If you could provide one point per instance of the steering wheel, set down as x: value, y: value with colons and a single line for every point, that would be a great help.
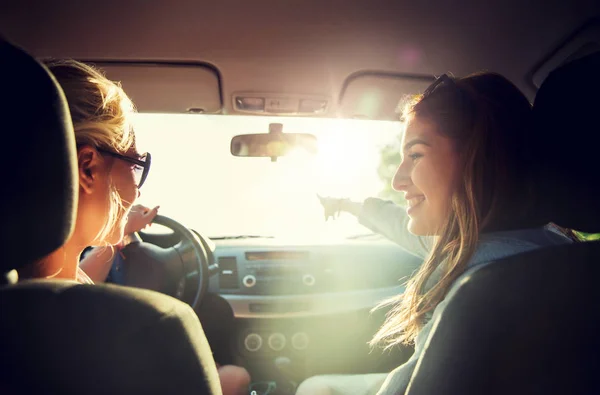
x: 181, y: 271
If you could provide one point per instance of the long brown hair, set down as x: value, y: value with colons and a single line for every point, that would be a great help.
x: 487, y: 118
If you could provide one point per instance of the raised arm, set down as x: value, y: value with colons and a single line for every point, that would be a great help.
x: 383, y: 217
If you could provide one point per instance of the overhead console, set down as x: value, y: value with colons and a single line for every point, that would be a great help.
x: 368, y: 94
x: 262, y: 103
x: 159, y: 87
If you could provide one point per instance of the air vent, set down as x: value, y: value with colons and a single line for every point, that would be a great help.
x: 228, y: 273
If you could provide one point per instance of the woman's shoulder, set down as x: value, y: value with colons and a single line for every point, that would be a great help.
x: 82, y: 277
x: 500, y: 245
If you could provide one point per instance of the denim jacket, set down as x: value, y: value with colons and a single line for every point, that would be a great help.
x: 390, y: 220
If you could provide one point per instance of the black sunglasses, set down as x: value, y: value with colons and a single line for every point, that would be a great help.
x: 463, y: 101
x: 141, y: 168
x: 442, y: 79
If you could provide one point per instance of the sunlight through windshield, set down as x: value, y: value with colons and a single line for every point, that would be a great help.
x: 196, y: 180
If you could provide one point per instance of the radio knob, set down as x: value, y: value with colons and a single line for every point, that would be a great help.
x: 309, y: 280
x: 300, y: 341
x: 249, y: 281
x: 253, y: 342
x: 277, y: 341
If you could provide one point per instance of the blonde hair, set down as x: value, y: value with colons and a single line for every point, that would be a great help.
x: 101, y: 115
x: 486, y: 117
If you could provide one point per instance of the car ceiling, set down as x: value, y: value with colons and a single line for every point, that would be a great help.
x: 303, y: 47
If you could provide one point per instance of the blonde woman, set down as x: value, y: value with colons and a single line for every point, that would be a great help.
x: 466, y: 177
x: 111, y: 172
x: 110, y: 168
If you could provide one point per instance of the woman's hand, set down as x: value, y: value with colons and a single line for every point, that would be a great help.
x: 139, y: 217
x: 331, y: 206
x: 334, y: 206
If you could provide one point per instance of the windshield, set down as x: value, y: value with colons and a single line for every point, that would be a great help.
x: 196, y: 180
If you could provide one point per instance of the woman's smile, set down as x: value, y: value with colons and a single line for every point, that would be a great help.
x: 413, y: 201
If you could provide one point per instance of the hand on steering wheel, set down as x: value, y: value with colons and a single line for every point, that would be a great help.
x: 139, y: 218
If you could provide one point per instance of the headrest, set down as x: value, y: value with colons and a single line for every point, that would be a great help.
x: 38, y: 161
x: 567, y: 131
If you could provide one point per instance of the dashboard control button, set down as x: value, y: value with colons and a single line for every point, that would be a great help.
x: 309, y: 279
x: 180, y: 288
x: 249, y: 281
x: 253, y: 342
x: 277, y: 341
x: 300, y: 341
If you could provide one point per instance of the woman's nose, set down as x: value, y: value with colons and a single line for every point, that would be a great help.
x: 401, y: 179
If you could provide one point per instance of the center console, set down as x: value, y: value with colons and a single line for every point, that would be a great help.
x: 297, y: 310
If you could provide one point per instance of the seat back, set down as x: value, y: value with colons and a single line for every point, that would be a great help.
x: 39, y: 177
x: 530, y: 324
x: 60, y: 337
x: 527, y: 325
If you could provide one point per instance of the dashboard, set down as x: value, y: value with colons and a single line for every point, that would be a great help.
x: 267, y: 280
x: 308, y: 303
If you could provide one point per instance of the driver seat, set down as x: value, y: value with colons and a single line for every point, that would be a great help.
x: 61, y: 337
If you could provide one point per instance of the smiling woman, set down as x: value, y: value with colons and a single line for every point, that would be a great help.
x: 467, y: 177
x: 427, y: 175
x: 197, y: 179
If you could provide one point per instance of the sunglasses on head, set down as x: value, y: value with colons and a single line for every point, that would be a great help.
x: 461, y: 99
x: 443, y: 79
x: 141, y: 165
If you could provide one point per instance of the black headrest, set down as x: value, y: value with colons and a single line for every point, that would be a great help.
x: 567, y: 131
x: 38, y: 161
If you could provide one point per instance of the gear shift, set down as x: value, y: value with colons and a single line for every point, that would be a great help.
x: 284, y: 364
x: 284, y: 384
x: 263, y: 388
x: 290, y: 377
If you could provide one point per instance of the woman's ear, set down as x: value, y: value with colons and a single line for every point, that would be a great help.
x: 89, y: 162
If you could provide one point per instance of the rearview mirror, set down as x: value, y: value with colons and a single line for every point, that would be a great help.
x: 273, y: 144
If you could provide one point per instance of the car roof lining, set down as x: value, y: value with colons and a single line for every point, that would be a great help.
x: 308, y: 47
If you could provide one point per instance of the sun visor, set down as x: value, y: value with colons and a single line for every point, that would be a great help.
x: 168, y: 87
x: 375, y: 95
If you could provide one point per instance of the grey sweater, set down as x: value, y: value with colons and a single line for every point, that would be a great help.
x: 390, y: 220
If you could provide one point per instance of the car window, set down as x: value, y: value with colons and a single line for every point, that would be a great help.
x: 196, y: 180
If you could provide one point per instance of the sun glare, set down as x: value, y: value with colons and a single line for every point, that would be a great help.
x: 196, y: 180
x: 341, y: 158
